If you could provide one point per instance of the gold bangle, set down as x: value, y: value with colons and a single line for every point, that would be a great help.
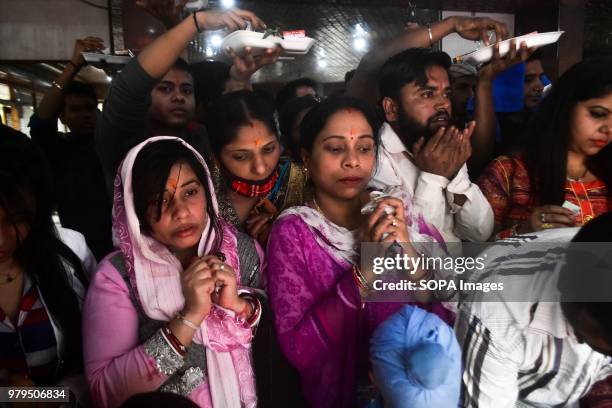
x: 360, y: 280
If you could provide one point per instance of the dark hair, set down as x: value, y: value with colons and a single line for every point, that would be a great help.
x: 587, y: 273
x: 181, y: 65
x: 549, y: 133
x: 79, y: 89
x: 26, y: 197
x: 288, y: 91
x: 209, y: 78
x: 150, y: 174
x: 158, y: 399
x: 287, y: 117
x: 409, y: 66
x: 535, y: 56
x: 234, y: 110
x: 317, y: 118
x: 348, y: 76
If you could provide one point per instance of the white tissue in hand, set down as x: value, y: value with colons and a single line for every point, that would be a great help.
x: 571, y: 206
x: 376, y: 196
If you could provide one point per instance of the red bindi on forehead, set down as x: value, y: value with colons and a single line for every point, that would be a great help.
x: 172, y: 184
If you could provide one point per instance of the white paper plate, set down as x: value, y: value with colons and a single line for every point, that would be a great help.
x: 485, y: 54
x: 101, y: 59
x: 239, y: 40
x: 297, y: 45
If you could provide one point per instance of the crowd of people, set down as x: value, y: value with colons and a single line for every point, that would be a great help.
x: 207, y: 249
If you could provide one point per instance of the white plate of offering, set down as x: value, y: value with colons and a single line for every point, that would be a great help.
x: 485, y: 54
x: 259, y: 43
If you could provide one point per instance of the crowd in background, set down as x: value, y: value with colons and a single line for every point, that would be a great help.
x: 209, y: 233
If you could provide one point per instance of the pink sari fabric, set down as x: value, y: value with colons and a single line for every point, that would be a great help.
x: 322, y: 326
x: 154, y: 273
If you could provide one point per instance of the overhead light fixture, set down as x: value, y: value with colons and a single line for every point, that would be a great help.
x: 360, y: 44
x: 109, y: 78
x: 227, y: 3
x: 322, y: 63
x: 216, y: 40
x: 359, y: 30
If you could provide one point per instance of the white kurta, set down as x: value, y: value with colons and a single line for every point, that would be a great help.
x: 434, y: 194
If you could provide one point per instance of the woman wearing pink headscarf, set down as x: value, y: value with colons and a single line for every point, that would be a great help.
x: 166, y: 312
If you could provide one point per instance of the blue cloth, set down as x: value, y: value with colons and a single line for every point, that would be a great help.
x: 416, y: 360
x: 508, y: 90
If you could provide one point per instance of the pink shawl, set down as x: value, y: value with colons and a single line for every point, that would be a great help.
x: 344, y: 245
x: 154, y: 274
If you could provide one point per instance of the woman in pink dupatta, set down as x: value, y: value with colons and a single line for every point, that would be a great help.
x: 163, y: 313
x: 323, y: 326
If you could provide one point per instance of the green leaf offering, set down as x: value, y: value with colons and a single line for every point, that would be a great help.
x: 273, y: 32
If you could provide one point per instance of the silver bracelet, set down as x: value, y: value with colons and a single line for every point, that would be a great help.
x: 166, y: 358
x: 185, y: 384
x: 187, y: 322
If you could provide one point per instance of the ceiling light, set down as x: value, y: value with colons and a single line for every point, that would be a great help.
x: 359, y: 30
x: 227, y: 3
x: 216, y: 40
x: 322, y: 63
x: 360, y: 44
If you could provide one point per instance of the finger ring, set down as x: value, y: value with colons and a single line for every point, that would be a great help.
x: 547, y: 225
x: 543, y: 217
x: 220, y: 255
x: 394, y: 223
x: 221, y: 267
